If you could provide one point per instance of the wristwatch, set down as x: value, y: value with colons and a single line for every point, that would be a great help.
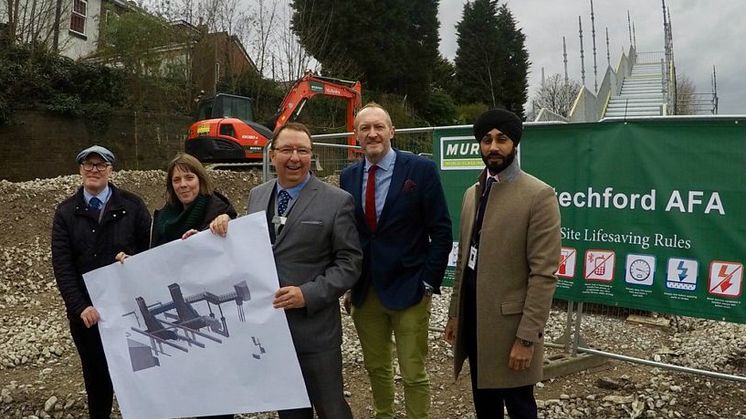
x: 526, y: 343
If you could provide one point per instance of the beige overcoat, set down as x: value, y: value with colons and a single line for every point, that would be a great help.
x: 519, y: 252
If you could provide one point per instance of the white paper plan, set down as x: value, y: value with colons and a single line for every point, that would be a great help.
x: 189, y: 330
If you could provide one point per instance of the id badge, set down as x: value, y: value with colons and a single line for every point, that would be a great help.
x: 279, y: 221
x: 472, y: 258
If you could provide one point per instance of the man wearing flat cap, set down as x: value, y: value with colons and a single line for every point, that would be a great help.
x: 90, y: 228
x: 505, y: 275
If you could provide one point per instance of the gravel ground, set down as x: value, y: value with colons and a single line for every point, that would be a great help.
x: 40, y: 374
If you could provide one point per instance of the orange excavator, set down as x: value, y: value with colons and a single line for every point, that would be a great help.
x: 227, y: 133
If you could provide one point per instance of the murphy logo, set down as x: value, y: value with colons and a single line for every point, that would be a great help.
x: 460, y: 153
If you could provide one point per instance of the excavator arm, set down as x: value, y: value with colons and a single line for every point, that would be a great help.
x: 311, y: 85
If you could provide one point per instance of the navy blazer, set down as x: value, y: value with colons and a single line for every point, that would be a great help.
x: 413, y: 235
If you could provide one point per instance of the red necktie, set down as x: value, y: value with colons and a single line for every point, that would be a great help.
x: 370, y: 198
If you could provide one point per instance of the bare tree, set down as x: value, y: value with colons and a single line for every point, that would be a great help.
x: 10, y: 12
x: 557, y: 95
x: 229, y: 16
x: 57, y: 21
x: 289, y: 59
x: 263, y: 29
x: 685, y: 96
x: 33, y: 22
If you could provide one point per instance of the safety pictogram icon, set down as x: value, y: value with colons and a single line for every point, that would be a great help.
x: 682, y: 274
x: 640, y: 269
x: 568, y: 259
x: 726, y: 279
x: 599, y: 265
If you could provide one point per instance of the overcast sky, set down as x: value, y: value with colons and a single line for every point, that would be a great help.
x: 705, y: 33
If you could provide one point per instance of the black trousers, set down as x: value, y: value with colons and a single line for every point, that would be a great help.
x: 489, y: 403
x: 95, y: 370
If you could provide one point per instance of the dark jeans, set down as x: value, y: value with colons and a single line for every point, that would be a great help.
x: 95, y: 370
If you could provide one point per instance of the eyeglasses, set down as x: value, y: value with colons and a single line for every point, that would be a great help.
x: 89, y: 167
x: 288, y: 151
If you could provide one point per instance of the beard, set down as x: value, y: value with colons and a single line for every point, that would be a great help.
x: 496, y: 167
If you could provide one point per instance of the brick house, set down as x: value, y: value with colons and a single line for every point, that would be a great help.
x: 209, y: 56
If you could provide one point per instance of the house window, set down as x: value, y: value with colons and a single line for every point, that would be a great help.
x: 77, y: 19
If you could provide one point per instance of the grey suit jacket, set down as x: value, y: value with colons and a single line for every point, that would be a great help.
x: 317, y: 250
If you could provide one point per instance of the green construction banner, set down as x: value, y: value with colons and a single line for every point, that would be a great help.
x: 653, y: 212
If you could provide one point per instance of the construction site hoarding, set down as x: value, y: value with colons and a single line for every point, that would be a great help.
x: 652, y: 210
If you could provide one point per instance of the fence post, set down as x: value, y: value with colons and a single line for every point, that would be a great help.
x: 568, y: 322
x: 578, y: 320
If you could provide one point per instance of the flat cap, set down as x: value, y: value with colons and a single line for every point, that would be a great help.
x: 104, y: 152
x: 505, y: 121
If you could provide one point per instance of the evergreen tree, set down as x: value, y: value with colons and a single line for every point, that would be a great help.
x: 491, y: 59
x: 514, y: 81
x: 443, y: 74
x: 440, y: 109
x: 477, y: 54
x: 391, y: 46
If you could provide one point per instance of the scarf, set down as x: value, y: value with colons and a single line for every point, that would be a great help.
x: 174, y: 220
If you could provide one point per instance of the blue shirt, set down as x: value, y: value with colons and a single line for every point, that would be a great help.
x: 103, y: 196
x: 294, y: 192
x: 383, y: 179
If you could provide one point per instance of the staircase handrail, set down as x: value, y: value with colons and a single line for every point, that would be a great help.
x: 671, y: 87
x: 590, y: 107
x: 545, y: 115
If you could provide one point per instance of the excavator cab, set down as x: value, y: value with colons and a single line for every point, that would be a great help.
x: 225, y: 131
x: 226, y: 106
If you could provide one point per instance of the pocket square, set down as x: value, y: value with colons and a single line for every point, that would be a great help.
x: 409, y: 185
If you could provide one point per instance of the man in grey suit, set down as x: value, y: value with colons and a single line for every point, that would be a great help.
x: 318, y: 257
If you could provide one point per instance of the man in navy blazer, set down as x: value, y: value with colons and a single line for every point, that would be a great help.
x: 405, y: 233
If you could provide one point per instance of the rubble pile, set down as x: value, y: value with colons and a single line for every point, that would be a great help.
x: 40, y: 374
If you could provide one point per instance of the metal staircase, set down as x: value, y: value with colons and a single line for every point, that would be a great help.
x: 642, y: 93
x: 643, y: 84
